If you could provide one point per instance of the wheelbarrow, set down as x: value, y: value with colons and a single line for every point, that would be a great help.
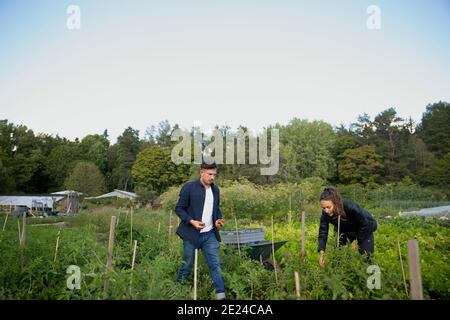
x: 253, y: 239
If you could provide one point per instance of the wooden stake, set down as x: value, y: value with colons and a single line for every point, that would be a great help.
x: 195, y: 273
x: 134, y: 254
x: 22, y: 240
x: 273, y: 253
x: 303, y: 252
x: 112, y: 229
x: 159, y: 226
x: 297, y: 285
x: 339, y: 230
x: 170, y: 224
x: 131, y: 227
x: 132, y: 264
x: 6, y: 219
x: 414, y: 270
x: 237, y: 236
x: 401, y: 264
x: 57, y: 244
x: 290, y: 208
x: 24, y: 225
x: 20, y: 236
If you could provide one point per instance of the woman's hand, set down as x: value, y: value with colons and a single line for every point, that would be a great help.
x: 322, y: 259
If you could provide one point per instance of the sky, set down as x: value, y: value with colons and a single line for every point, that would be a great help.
x: 234, y: 62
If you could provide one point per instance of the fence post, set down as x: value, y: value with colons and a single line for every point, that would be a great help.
x: 170, y: 225
x: 414, y: 270
x: 297, y: 285
x: 6, y: 219
x: 112, y: 229
x: 401, y: 265
x: 195, y: 273
x: 303, y: 252
x: 57, y: 244
x: 131, y: 226
x: 237, y: 235
x: 24, y: 235
x: 132, y: 264
x: 290, y: 209
x: 338, y: 231
x: 20, y: 236
x: 273, y: 253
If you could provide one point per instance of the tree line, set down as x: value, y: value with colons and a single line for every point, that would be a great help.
x: 368, y: 152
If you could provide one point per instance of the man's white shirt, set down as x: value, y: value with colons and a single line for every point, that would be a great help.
x: 207, y: 215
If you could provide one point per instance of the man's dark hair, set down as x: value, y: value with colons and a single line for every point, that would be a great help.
x: 207, y: 166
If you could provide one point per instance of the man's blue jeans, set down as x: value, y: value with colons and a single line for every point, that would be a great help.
x: 211, y: 250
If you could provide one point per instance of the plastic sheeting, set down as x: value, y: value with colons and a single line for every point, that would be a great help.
x: 29, y: 201
x: 428, y: 212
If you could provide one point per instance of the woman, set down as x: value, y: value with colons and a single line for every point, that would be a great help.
x: 349, y: 220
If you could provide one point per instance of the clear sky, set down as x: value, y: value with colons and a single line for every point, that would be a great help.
x: 255, y: 63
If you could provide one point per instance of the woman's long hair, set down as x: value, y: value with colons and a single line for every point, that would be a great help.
x: 331, y: 194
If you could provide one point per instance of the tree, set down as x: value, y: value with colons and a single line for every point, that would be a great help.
x: 387, y: 139
x: 363, y: 129
x: 94, y: 148
x: 390, y: 135
x: 154, y: 170
x: 60, y: 163
x: 29, y: 172
x: 86, y: 178
x: 111, y: 176
x: 164, y: 132
x: 306, y: 150
x: 23, y: 156
x: 6, y: 142
x: 361, y: 165
x: 415, y: 157
x: 7, y: 184
x: 434, y: 129
x: 237, y: 171
x: 345, y: 139
x: 127, y: 150
x: 439, y: 173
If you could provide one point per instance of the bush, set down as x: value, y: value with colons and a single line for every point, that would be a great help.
x: 397, y: 195
x: 244, y: 199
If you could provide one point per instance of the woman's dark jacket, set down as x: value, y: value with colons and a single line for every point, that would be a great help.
x: 358, y: 224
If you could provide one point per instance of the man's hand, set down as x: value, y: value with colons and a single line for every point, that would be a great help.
x: 219, y: 223
x: 322, y: 259
x: 197, y: 224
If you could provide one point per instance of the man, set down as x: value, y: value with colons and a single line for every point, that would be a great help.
x: 198, y: 209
